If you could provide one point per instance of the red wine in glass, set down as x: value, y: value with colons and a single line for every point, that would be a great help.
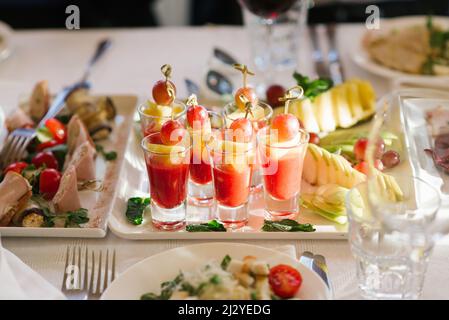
x: 268, y: 9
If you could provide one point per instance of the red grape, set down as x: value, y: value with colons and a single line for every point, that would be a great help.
x: 287, y: 126
x: 161, y: 93
x: 242, y: 130
x: 314, y: 138
x: 172, y: 132
x: 391, y: 159
x: 378, y: 165
x: 196, y: 114
x: 247, y: 92
x: 274, y: 92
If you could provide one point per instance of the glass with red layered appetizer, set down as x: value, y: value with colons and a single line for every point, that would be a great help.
x: 259, y: 115
x: 200, y: 123
x: 153, y: 114
x: 282, y: 148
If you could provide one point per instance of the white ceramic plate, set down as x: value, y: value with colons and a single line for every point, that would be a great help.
x: 99, y: 204
x: 362, y: 59
x: 5, y: 40
x: 147, y: 275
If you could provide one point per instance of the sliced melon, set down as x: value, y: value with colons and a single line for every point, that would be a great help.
x: 324, y: 112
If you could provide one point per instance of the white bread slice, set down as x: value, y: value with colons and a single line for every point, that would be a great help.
x: 15, y: 191
x: 83, y: 160
x: 39, y: 101
x: 67, y: 197
x: 18, y: 119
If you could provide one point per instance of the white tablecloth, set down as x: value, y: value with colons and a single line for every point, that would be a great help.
x: 132, y: 66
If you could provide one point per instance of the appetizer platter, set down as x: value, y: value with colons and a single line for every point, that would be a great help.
x: 314, y: 173
x: 218, y: 271
x: 414, y: 46
x: 65, y: 184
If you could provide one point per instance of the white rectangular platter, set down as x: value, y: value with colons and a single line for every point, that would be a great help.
x: 99, y: 204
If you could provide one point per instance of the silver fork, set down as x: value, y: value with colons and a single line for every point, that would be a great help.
x: 104, y: 275
x: 72, y: 286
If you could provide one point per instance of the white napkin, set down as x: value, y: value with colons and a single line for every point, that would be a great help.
x: 20, y: 282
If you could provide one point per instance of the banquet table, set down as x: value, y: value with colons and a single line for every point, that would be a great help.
x: 131, y: 66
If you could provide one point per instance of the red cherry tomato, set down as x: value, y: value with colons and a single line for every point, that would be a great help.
x: 161, y: 94
x: 172, y: 132
x: 45, y: 158
x: 44, y: 145
x: 284, y: 280
x: 49, y: 180
x: 362, y: 167
x: 274, y: 92
x: 242, y: 130
x: 287, y: 126
x: 196, y: 115
x: 16, y: 167
x: 247, y: 92
x: 314, y: 138
x: 360, y: 149
x: 57, y: 129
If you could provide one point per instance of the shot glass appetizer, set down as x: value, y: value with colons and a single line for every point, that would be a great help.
x: 260, y: 115
x: 200, y: 123
x: 167, y: 157
x: 231, y: 152
x: 153, y: 114
x: 282, y: 149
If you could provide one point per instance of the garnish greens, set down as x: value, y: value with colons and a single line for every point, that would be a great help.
x: 108, y: 156
x: 31, y: 173
x: 439, y: 53
x: 312, y: 88
x: 135, y: 209
x: 211, y: 226
x: 287, y: 225
x: 225, y: 262
x: 167, y: 289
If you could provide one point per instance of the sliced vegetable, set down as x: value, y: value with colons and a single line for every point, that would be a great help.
x: 211, y: 226
x: 284, y: 280
x: 45, y: 145
x: 287, y: 225
x: 225, y: 262
x: 135, y: 209
x: 57, y: 129
x: 43, y: 134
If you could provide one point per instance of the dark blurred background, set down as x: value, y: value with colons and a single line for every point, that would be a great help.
x: 24, y: 14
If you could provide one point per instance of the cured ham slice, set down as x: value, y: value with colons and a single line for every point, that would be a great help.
x: 15, y: 191
x: 77, y: 134
x: 39, y: 101
x: 18, y: 119
x: 83, y: 160
x: 67, y: 197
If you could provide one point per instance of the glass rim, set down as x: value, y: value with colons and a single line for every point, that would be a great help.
x: 142, y: 145
x: 304, y: 139
x: 144, y: 105
x: 259, y: 103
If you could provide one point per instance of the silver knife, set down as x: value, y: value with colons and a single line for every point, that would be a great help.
x: 335, y: 66
x: 321, y: 66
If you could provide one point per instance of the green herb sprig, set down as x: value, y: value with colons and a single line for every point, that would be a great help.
x: 287, y: 225
x: 211, y: 226
x: 135, y: 208
x: 108, y: 156
x: 312, y: 88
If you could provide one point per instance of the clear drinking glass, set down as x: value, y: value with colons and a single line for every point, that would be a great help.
x: 231, y: 172
x: 276, y: 30
x: 262, y: 114
x: 201, y: 189
x: 153, y: 116
x: 282, y: 165
x: 168, y: 172
x: 391, y: 261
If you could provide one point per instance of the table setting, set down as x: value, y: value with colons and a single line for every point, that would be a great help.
x: 274, y: 161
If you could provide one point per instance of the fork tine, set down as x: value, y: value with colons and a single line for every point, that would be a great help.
x: 10, y: 150
x: 21, y: 151
x: 113, y: 266
x: 5, y: 151
x: 92, y: 273
x: 78, y: 279
x: 106, y: 272
x: 98, y: 287
x: 86, y: 269
x: 64, y: 279
x: 16, y: 148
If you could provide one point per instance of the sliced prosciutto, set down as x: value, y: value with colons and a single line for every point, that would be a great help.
x: 440, y: 152
x: 18, y: 119
x: 15, y: 191
x: 83, y: 160
x: 77, y: 134
x: 67, y: 197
